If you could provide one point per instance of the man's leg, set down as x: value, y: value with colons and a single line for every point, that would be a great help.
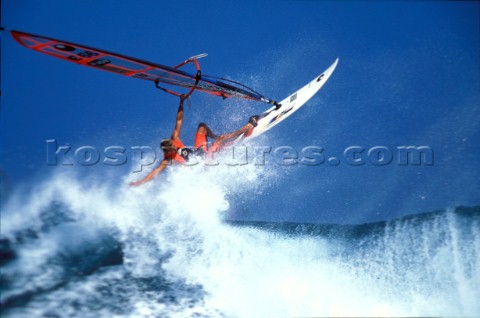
x: 204, y: 129
x: 223, y: 139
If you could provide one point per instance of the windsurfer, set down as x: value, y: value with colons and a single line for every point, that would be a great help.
x: 175, y: 151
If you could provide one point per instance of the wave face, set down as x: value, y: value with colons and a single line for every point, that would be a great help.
x: 68, y: 250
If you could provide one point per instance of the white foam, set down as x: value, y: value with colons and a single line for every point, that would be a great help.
x: 173, y: 227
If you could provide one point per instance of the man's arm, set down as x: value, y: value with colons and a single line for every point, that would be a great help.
x: 152, y: 173
x: 179, y: 120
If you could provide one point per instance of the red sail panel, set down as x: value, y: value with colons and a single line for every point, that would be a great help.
x: 132, y: 67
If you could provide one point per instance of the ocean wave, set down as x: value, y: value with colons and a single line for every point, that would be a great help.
x: 168, y: 250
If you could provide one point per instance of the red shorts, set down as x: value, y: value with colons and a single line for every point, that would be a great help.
x: 201, y: 141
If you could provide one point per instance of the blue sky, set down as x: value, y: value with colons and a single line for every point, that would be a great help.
x: 409, y: 74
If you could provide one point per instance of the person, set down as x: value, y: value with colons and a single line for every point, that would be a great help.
x: 174, y: 150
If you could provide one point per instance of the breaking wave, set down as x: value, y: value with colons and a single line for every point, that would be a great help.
x: 168, y: 250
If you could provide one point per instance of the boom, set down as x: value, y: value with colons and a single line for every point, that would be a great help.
x: 137, y: 68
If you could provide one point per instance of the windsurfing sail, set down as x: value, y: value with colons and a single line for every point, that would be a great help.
x: 136, y: 68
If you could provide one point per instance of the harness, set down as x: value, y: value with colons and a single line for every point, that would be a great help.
x: 188, y: 153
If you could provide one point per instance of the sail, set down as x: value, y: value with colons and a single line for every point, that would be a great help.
x: 136, y: 68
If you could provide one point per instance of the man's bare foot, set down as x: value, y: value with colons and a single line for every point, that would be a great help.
x: 254, y: 120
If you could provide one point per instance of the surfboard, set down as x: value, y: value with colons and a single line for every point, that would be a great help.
x: 290, y: 104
